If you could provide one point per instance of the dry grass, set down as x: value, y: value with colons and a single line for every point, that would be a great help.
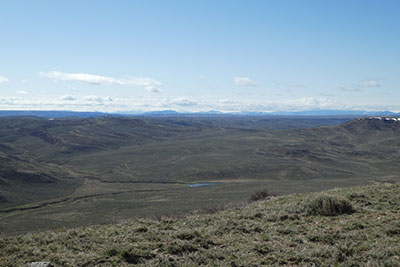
x: 273, y: 232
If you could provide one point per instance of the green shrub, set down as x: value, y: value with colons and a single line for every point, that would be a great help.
x: 180, y: 248
x: 393, y: 231
x: 259, y: 195
x: 188, y: 235
x: 135, y: 256
x: 326, y: 205
x: 112, y: 252
x: 263, y: 249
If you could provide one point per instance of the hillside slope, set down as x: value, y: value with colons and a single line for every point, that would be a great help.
x: 75, y: 172
x: 362, y: 229
x: 24, y: 179
x: 30, y: 147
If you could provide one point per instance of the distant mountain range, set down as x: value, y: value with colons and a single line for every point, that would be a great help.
x: 78, y: 114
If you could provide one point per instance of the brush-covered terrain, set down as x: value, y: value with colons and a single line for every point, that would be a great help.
x: 357, y: 226
x: 68, y: 172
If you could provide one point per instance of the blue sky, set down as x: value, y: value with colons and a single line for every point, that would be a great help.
x: 200, y: 55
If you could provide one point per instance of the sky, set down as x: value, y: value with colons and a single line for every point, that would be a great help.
x: 256, y: 55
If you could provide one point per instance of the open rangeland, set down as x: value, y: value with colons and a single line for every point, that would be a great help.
x: 69, y: 172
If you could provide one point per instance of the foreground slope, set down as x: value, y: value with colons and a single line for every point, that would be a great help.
x: 289, y: 230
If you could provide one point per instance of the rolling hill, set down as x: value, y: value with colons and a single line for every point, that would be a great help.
x: 69, y: 172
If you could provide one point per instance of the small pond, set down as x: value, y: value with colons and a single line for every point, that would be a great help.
x: 202, y: 184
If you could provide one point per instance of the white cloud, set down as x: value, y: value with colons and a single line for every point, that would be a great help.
x: 3, y: 79
x: 299, y: 104
x: 79, y: 104
x: 312, y: 102
x: 228, y: 101
x: 371, y: 83
x: 108, y: 104
x: 22, y: 92
x: 350, y: 89
x: 148, y: 83
x: 68, y: 97
x: 152, y: 90
x: 243, y: 81
x: 178, y: 102
x: 100, y: 99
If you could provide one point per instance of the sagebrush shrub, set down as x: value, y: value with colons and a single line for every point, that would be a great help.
x: 326, y: 205
x: 259, y: 195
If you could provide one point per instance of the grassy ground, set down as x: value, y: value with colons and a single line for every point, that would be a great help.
x: 356, y: 226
